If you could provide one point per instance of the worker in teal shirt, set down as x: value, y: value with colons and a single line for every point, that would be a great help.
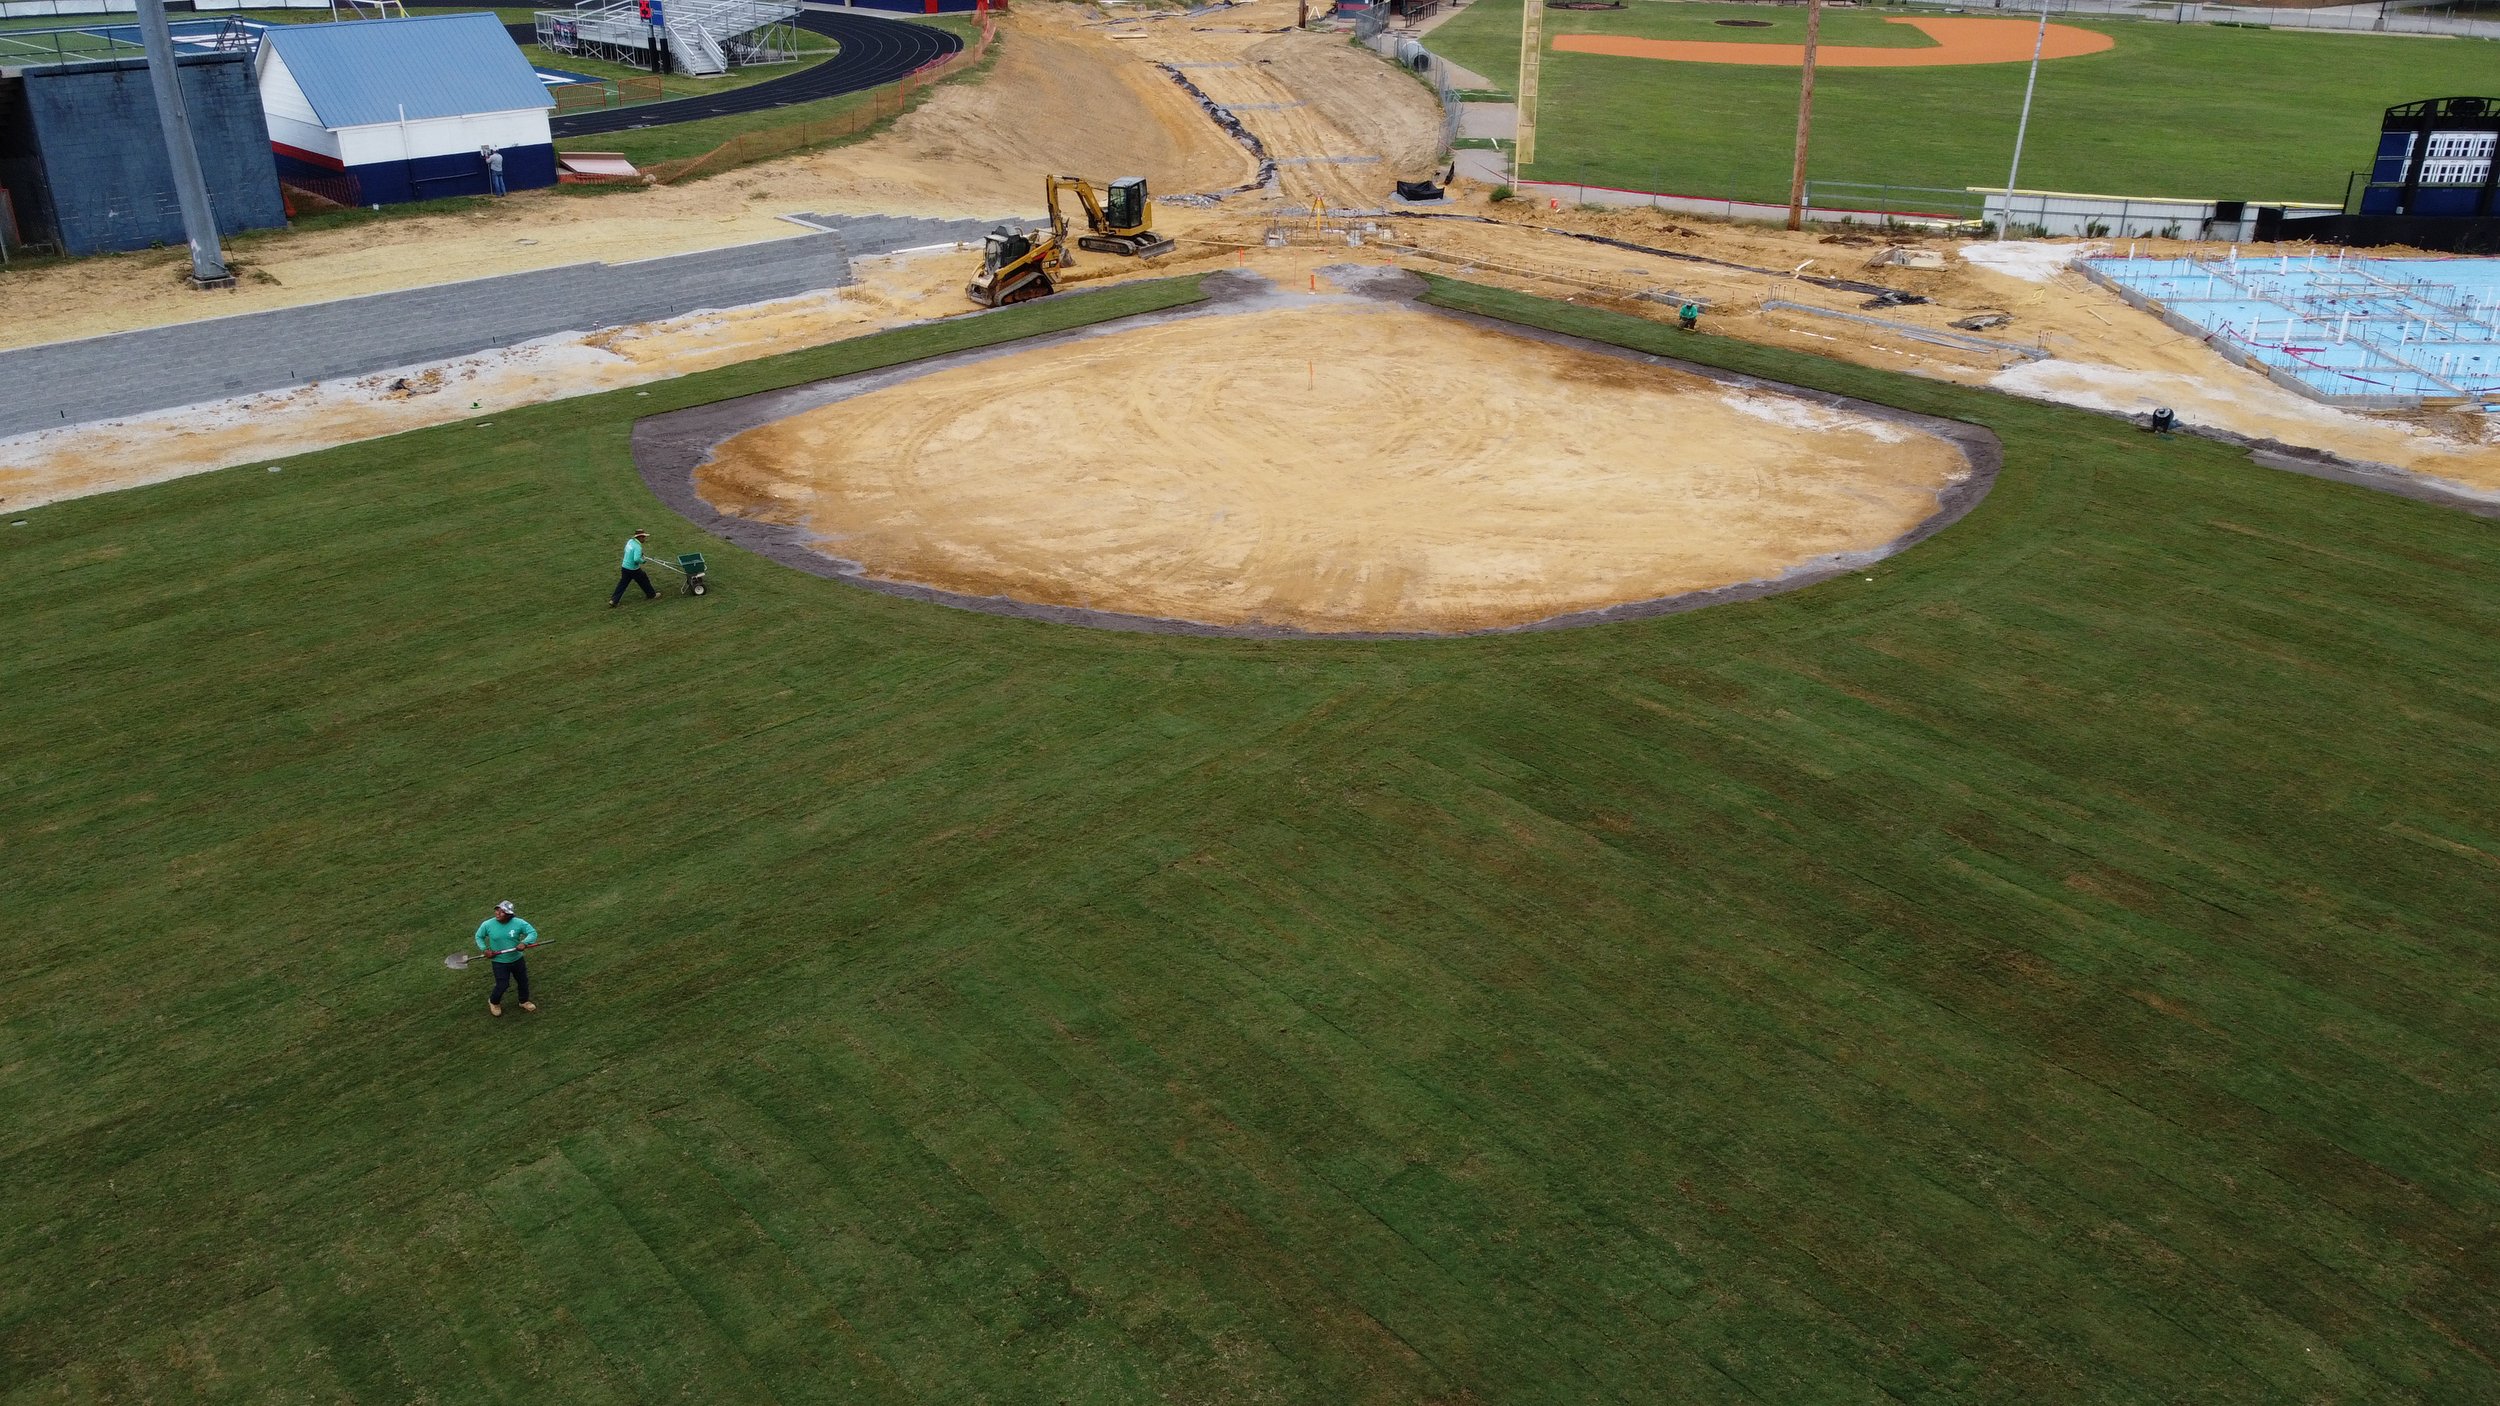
x: 631, y: 573
x: 503, y: 937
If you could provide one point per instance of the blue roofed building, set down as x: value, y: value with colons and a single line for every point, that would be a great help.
x: 382, y: 111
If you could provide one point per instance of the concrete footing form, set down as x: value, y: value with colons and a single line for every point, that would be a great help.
x: 2368, y: 334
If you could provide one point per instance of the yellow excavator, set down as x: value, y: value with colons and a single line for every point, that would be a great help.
x: 1017, y: 267
x: 1122, y: 221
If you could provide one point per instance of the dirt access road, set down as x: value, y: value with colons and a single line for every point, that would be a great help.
x: 1060, y: 97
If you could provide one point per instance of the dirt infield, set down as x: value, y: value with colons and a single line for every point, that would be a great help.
x: 1338, y: 464
x: 1958, y: 42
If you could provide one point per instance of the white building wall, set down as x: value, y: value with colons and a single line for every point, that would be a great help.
x: 290, y: 116
x: 441, y: 136
x: 303, y: 136
x: 280, y: 94
x: 2128, y: 216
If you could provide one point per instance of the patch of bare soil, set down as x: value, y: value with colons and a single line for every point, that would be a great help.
x: 1058, y: 99
x: 1351, y: 468
x: 1062, y: 100
x: 1378, y: 109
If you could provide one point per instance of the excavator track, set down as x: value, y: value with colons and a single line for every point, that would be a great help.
x: 1135, y: 246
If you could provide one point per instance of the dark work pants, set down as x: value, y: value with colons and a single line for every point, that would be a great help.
x: 513, y: 973
x: 635, y: 577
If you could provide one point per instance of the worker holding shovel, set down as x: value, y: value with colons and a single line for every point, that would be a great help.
x: 505, y: 937
x: 630, y: 572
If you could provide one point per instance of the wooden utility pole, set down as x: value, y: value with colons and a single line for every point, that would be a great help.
x: 1531, y: 46
x: 1805, y: 117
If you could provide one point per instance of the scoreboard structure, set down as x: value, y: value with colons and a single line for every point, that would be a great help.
x: 2436, y: 158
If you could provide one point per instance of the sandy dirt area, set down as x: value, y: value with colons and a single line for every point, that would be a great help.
x: 1341, y: 123
x: 1376, y: 109
x: 56, y: 464
x: 1060, y: 98
x: 1352, y: 467
x: 1071, y: 97
x: 1957, y: 42
x: 2101, y: 353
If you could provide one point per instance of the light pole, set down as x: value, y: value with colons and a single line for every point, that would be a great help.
x: 2039, y: 40
x: 199, y: 219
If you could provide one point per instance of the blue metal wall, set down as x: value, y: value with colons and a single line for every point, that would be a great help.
x: 434, y: 177
x: 107, y: 183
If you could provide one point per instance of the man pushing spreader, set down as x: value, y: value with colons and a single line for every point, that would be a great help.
x: 630, y: 572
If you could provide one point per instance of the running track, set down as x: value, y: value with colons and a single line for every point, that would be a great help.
x: 875, y: 52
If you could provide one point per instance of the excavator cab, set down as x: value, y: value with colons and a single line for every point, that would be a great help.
x: 1123, y: 222
x: 1125, y: 205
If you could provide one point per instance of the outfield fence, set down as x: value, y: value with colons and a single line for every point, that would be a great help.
x: 882, y: 105
x: 2034, y: 212
x: 1903, y: 205
x: 2339, y: 18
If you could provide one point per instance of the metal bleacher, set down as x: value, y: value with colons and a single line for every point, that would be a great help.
x: 704, y: 36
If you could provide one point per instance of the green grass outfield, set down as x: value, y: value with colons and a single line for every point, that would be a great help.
x: 2059, y: 968
x: 2176, y: 110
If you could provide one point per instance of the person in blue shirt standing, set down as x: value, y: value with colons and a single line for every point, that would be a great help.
x: 506, y: 937
x: 631, y: 572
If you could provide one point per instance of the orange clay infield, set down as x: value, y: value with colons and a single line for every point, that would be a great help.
x: 1957, y: 42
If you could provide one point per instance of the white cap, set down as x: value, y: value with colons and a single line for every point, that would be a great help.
x: 504, y: 907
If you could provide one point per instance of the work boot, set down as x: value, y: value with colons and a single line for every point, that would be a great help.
x: 531, y: 1006
x: 493, y: 1009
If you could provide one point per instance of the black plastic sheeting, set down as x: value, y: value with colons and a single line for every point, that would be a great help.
x: 1419, y: 190
x: 1224, y: 118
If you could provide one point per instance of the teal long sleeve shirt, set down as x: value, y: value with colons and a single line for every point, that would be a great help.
x: 633, y: 553
x: 504, y: 936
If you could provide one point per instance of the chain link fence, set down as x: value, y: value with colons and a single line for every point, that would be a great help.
x: 1411, y: 55
x: 2386, y: 19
